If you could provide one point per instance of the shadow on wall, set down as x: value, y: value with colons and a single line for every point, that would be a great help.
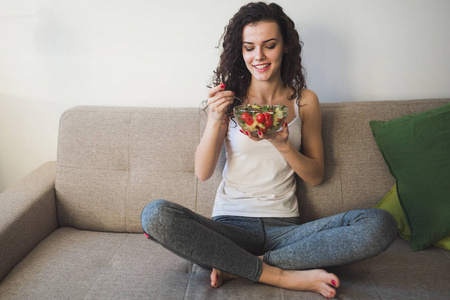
x: 63, y: 58
x: 326, y: 60
x: 3, y: 184
x: 28, y: 135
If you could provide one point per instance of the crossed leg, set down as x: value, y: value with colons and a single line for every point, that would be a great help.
x: 301, y: 249
x: 205, y: 242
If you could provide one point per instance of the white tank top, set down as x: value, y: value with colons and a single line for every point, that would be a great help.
x: 257, y: 180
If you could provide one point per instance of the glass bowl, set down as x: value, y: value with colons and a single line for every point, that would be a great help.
x: 267, y: 119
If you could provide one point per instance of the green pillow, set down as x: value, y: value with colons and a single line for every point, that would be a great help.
x: 416, y: 148
x: 391, y: 204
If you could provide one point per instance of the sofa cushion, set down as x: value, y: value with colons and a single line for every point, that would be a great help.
x: 416, y: 149
x: 78, y: 264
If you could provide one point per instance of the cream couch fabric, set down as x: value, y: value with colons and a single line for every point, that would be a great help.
x: 71, y: 229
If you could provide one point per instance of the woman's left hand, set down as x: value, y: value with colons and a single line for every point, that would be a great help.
x: 279, y: 139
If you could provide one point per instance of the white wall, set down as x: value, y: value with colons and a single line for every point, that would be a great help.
x: 55, y: 54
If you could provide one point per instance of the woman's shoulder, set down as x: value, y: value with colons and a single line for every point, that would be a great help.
x: 309, y: 105
x: 308, y: 97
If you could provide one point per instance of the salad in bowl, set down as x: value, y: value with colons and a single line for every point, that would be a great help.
x: 267, y: 119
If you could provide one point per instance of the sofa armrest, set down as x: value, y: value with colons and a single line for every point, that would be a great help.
x: 27, y: 215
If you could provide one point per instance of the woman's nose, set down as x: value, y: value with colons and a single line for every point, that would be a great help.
x: 259, y: 54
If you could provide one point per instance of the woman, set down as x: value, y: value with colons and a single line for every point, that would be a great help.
x: 255, y: 231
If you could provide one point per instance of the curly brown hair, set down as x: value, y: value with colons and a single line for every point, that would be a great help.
x: 232, y: 70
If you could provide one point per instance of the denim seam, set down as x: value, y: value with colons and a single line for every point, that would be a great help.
x: 258, y: 271
x: 263, y: 246
x: 266, y: 258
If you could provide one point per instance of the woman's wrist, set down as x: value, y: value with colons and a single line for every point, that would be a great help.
x: 215, y: 121
x: 284, y: 148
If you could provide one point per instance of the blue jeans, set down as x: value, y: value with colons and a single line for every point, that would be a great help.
x: 232, y: 244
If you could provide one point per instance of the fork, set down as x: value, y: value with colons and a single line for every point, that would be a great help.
x: 210, y: 87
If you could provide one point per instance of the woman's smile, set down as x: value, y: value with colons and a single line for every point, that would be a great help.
x: 261, y: 67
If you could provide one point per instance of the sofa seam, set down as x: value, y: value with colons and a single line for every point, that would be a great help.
x: 189, y: 282
x: 443, y: 253
x: 114, y: 169
x: 281, y: 293
x: 128, y: 171
x: 104, y: 268
x: 196, y: 178
x: 340, y: 176
x: 373, y: 285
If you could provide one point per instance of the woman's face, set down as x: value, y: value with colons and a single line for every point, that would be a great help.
x: 262, y: 50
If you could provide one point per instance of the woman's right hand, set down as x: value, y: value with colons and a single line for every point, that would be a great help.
x: 208, y: 150
x: 218, y: 102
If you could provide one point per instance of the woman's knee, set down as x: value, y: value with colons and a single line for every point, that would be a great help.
x: 387, y: 226
x: 152, y: 216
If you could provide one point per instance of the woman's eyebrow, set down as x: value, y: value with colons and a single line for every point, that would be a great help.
x: 266, y: 41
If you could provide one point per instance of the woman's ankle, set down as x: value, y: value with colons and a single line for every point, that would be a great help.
x: 271, y: 275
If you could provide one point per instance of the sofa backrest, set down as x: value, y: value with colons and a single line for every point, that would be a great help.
x: 113, y: 160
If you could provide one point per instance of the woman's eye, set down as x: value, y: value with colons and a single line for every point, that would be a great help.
x: 249, y: 49
x: 270, y: 46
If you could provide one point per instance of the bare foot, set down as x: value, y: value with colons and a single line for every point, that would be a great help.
x: 219, y: 277
x: 317, y: 280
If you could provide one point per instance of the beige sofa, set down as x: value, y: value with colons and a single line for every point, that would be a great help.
x: 71, y: 229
